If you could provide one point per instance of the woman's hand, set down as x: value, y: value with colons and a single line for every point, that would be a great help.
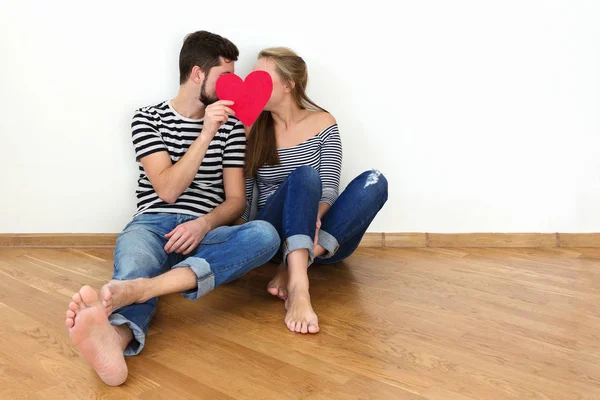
x: 317, y: 231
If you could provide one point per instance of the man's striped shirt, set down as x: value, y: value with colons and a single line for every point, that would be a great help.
x: 160, y: 128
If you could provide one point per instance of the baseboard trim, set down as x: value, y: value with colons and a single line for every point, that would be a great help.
x: 370, y: 240
x: 60, y: 240
x: 490, y: 240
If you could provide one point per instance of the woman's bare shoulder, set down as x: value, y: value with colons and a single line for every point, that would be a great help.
x: 320, y: 120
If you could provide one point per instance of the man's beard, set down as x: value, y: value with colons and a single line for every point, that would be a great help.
x: 205, y: 98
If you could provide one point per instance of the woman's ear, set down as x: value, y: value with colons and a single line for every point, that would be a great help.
x: 290, y: 86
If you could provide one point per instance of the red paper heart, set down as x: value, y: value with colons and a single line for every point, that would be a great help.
x: 250, y: 96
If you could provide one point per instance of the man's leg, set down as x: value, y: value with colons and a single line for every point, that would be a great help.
x: 226, y: 254
x: 130, y: 294
x: 102, y: 339
x: 139, y: 254
x: 100, y: 343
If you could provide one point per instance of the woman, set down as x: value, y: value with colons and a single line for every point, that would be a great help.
x: 294, y: 155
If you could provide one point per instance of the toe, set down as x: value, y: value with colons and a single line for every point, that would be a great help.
x: 282, y: 294
x: 304, y: 327
x: 105, y: 294
x: 73, y: 306
x: 298, y: 327
x: 78, y: 300
x: 313, y: 328
x: 291, y: 325
x: 88, y: 295
x: 272, y: 290
x: 70, y: 314
x: 70, y: 322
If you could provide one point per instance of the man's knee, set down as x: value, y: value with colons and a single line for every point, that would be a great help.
x: 264, y: 235
x: 138, y: 254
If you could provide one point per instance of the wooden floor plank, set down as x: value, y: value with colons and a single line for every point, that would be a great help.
x: 397, y: 323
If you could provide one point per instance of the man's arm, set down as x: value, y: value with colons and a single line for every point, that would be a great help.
x: 185, y: 237
x: 235, y: 200
x: 234, y: 182
x: 170, y: 181
x: 250, y: 184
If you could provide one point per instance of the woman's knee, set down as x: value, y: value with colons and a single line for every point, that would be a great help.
x: 374, y: 183
x: 307, y: 175
x: 306, y: 180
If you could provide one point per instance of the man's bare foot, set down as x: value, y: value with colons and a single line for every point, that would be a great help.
x: 95, y: 337
x: 278, y: 285
x: 300, y: 315
x: 116, y: 294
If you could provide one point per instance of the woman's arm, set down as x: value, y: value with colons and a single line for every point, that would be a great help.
x: 331, y: 168
x: 323, y: 208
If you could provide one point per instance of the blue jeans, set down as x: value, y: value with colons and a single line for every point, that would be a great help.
x: 226, y: 253
x: 294, y: 207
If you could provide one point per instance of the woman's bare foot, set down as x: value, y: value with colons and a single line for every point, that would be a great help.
x: 116, y: 294
x: 300, y: 315
x: 278, y: 285
x: 95, y: 337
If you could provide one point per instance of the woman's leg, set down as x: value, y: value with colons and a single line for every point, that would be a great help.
x: 293, y: 211
x: 345, y: 224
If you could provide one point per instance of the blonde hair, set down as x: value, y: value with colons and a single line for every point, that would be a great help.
x: 262, y: 144
x: 292, y: 69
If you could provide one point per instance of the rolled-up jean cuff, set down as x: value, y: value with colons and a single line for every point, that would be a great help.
x: 296, y: 242
x: 139, y: 337
x: 206, y: 279
x: 329, y: 243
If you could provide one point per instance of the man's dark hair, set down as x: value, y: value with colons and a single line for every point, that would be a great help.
x: 204, y: 49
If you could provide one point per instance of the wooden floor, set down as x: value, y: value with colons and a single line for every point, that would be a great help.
x: 395, y: 324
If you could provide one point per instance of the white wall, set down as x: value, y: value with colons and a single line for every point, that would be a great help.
x: 483, y: 115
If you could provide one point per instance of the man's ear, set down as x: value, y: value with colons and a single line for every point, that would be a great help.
x: 197, y: 76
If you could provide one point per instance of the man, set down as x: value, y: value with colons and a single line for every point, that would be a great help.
x: 191, y: 189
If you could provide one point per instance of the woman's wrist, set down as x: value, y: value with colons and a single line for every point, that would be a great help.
x: 323, y: 208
